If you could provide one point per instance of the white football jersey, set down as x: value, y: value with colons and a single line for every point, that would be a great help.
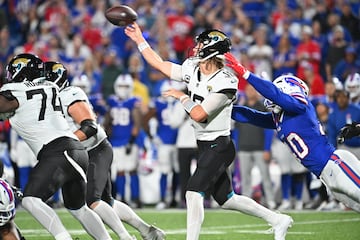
x: 68, y: 96
x: 39, y: 118
x: 200, y: 87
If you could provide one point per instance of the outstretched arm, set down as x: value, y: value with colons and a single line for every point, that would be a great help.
x: 248, y: 115
x: 134, y: 32
x: 265, y: 87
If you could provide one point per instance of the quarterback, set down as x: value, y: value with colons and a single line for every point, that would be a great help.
x: 212, y: 89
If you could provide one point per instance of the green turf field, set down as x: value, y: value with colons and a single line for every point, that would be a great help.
x: 219, y: 225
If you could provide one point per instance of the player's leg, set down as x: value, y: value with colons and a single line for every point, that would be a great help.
x: 74, y: 192
x: 132, y: 161
x: 164, y: 164
x: 266, y: 179
x: 342, y: 176
x: 246, y: 165
x: 100, y: 159
x: 46, y: 177
x: 184, y: 158
x: 118, y: 170
x: 214, y: 158
x: 175, y: 177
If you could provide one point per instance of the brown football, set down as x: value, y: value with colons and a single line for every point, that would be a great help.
x: 121, y: 15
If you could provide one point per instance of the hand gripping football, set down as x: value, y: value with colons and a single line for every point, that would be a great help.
x: 121, y: 15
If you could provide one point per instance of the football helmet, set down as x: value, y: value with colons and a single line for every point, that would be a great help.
x: 56, y: 72
x: 214, y: 43
x: 291, y: 85
x: 123, y: 86
x: 24, y: 66
x: 352, y: 85
x: 7, y: 203
x: 82, y: 82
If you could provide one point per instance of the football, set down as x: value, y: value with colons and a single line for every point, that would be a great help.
x: 121, y: 15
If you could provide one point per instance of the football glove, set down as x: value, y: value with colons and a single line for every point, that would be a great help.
x: 348, y: 131
x: 6, y: 115
x: 239, y: 69
x: 18, y: 193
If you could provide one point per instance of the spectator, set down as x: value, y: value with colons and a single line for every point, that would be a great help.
x: 180, y: 25
x: 307, y: 52
x: 260, y: 53
x: 284, y: 60
x: 110, y: 71
x: 349, y: 20
x: 314, y: 81
x: 343, y: 113
x: 350, y: 64
x: 335, y: 51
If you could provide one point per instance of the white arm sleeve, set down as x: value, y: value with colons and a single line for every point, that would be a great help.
x: 176, y: 72
x: 214, y: 102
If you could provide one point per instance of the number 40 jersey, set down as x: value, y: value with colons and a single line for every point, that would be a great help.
x: 39, y: 118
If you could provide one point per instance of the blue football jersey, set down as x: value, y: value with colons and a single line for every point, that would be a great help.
x: 165, y: 132
x: 122, y: 120
x: 296, y: 125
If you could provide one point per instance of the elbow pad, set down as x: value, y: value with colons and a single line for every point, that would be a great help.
x: 88, y: 127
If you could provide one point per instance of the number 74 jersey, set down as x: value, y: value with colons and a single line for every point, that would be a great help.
x: 39, y: 118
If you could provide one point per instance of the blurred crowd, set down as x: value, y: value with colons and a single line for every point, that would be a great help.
x: 317, y: 40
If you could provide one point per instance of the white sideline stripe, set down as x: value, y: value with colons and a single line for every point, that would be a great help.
x: 210, y: 231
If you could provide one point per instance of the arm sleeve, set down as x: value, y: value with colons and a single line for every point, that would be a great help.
x: 214, y: 102
x: 176, y: 72
x: 271, y: 92
x: 248, y: 115
x: 268, y: 134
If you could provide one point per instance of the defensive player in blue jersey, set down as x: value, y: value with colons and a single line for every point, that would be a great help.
x: 294, y: 118
x: 169, y: 115
x: 123, y: 123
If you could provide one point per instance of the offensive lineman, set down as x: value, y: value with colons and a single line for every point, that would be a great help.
x: 212, y: 90
x: 36, y: 114
x: 82, y: 121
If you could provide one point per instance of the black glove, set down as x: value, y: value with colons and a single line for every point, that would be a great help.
x: 348, y: 131
x: 18, y: 193
x: 128, y: 148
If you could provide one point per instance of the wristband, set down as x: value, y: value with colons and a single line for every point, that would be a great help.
x: 183, y: 97
x: 188, y: 105
x: 246, y: 74
x: 142, y: 46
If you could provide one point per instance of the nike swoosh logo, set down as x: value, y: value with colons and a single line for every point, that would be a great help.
x: 213, y: 145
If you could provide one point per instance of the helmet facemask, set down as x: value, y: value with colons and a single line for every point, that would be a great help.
x: 214, y: 43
